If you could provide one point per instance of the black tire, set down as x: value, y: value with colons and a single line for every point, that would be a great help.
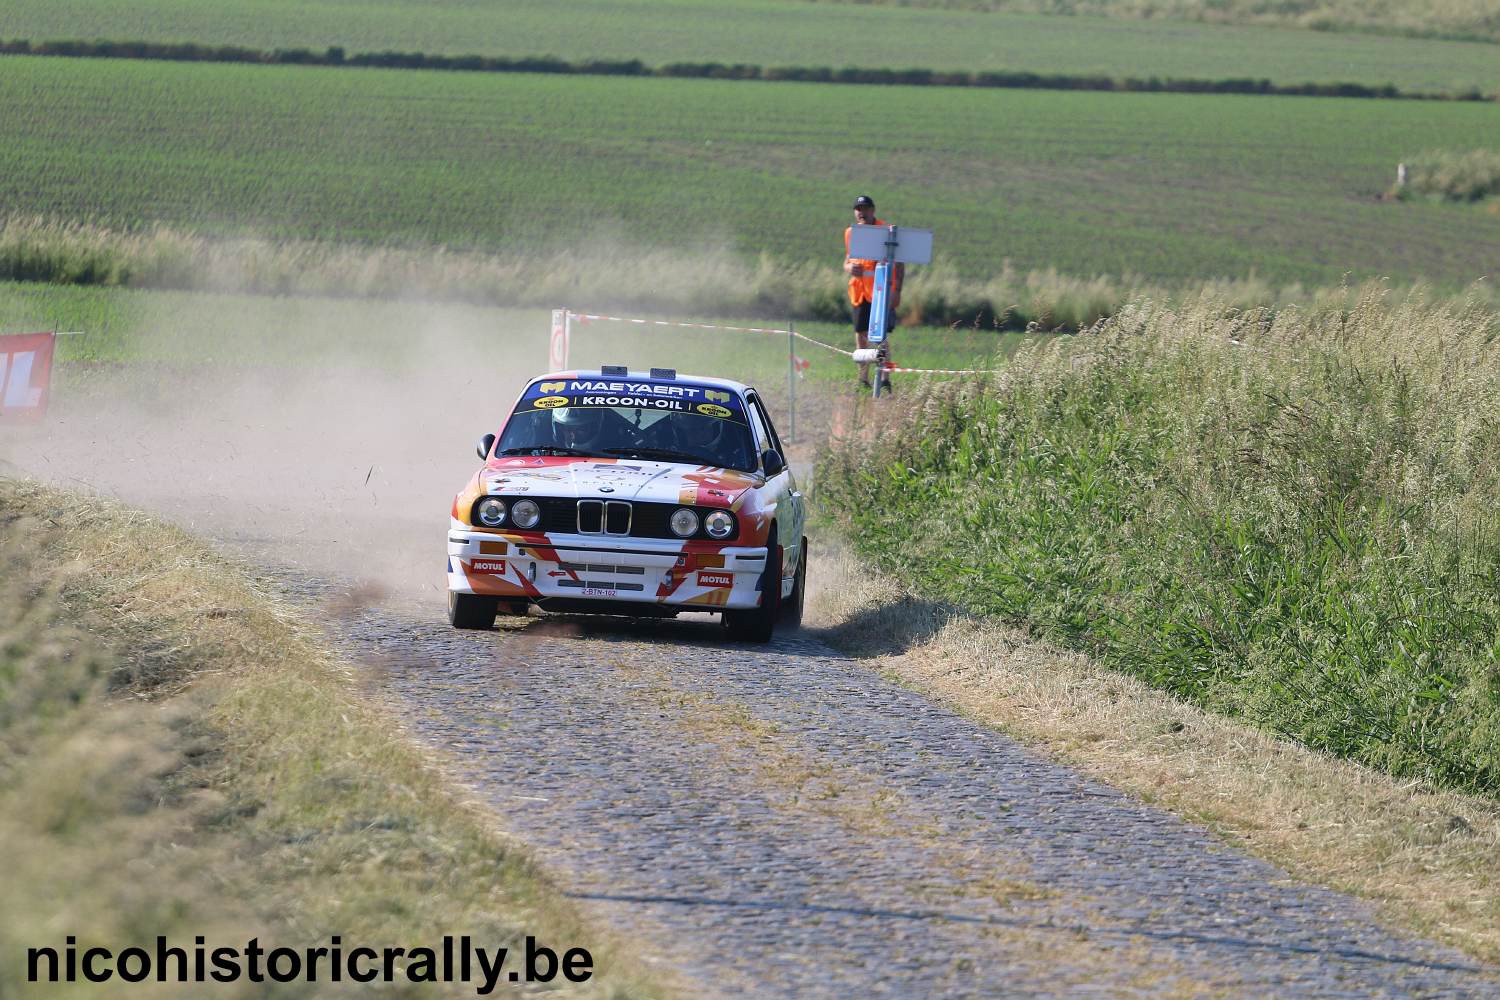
x: 791, y: 608
x: 758, y: 624
x: 472, y: 610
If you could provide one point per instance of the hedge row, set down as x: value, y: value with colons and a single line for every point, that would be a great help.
x: 336, y: 56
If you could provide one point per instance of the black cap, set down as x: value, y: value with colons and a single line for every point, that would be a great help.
x: 864, y: 201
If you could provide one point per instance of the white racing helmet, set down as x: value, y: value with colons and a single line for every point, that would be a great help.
x: 574, y: 426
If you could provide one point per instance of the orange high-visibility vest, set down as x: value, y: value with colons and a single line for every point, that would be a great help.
x: 862, y: 287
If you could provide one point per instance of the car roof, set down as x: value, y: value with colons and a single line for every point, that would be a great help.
x: 635, y: 376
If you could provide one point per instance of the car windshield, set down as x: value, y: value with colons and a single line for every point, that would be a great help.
x: 652, y: 420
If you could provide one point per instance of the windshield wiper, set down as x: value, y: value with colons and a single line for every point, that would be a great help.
x: 660, y: 454
x: 549, y: 449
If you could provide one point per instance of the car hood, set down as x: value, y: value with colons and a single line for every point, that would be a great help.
x: 617, y: 479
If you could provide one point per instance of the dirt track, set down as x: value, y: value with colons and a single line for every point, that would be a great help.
x: 784, y: 821
x: 765, y: 821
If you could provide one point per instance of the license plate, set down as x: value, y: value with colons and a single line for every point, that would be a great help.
x: 600, y: 592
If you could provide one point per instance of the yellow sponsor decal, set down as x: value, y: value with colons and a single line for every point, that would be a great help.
x: 715, y: 397
x: 711, y: 409
x: 552, y: 386
x: 551, y: 402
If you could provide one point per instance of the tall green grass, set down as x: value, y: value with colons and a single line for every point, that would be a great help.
x: 1289, y: 517
x: 1451, y: 176
x: 707, y: 283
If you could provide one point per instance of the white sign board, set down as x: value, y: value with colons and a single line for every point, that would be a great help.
x: 557, y: 355
x: 913, y: 246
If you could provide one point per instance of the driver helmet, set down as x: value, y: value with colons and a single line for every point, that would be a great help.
x: 577, y: 426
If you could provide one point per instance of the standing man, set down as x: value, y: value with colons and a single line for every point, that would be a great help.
x: 862, y: 289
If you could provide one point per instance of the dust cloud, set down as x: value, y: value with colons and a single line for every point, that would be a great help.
x: 313, y: 436
x: 339, y: 461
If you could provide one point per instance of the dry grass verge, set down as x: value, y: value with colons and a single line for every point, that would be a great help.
x: 1430, y: 859
x: 704, y: 281
x: 182, y: 756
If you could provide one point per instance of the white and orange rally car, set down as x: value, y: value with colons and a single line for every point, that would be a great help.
x: 628, y: 493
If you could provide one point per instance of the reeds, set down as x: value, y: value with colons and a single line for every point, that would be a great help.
x: 687, y: 282
x: 1291, y: 516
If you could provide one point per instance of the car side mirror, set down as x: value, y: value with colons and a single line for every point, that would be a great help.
x: 485, y: 444
x: 773, y: 462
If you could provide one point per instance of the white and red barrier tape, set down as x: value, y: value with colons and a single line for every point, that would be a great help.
x: 711, y: 326
x: 888, y: 367
x: 792, y: 333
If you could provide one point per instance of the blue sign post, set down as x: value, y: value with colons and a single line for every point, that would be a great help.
x: 890, y: 245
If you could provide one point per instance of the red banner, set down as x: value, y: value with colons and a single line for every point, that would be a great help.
x: 25, y: 374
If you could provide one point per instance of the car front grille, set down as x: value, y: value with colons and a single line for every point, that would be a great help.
x: 615, y: 518
x: 604, y: 517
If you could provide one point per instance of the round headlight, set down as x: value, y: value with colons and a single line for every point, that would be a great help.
x: 525, y: 513
x: 491, y: 512
x: 719, y: 524
x: 684, y: 523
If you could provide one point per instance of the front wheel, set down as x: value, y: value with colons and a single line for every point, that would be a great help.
x: 472, y: 610
x: 791, y: 608
x: 758, y: 624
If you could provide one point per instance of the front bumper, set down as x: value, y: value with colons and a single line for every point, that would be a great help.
x: 563, y: 567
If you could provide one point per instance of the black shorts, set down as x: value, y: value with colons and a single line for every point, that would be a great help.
x: 862, y: 319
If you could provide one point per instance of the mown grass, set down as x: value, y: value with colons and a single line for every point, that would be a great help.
x: 183, y: 758
x: 1286, y: 518
x: 776, y: 33
x: 1171, y: 188
x: 1426, y: 18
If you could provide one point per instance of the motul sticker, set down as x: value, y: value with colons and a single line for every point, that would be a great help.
x: 489, y: 567
x: 715, y: 579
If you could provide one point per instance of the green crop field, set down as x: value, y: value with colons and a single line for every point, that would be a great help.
x: 1171, y: 187
x: 776, y: 33
x: 1416, y: 18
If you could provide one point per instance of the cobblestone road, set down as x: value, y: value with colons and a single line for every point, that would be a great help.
x: 776, y: 821
x: 782, y: 821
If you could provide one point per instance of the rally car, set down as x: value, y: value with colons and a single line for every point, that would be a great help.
x: 629, y: 493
